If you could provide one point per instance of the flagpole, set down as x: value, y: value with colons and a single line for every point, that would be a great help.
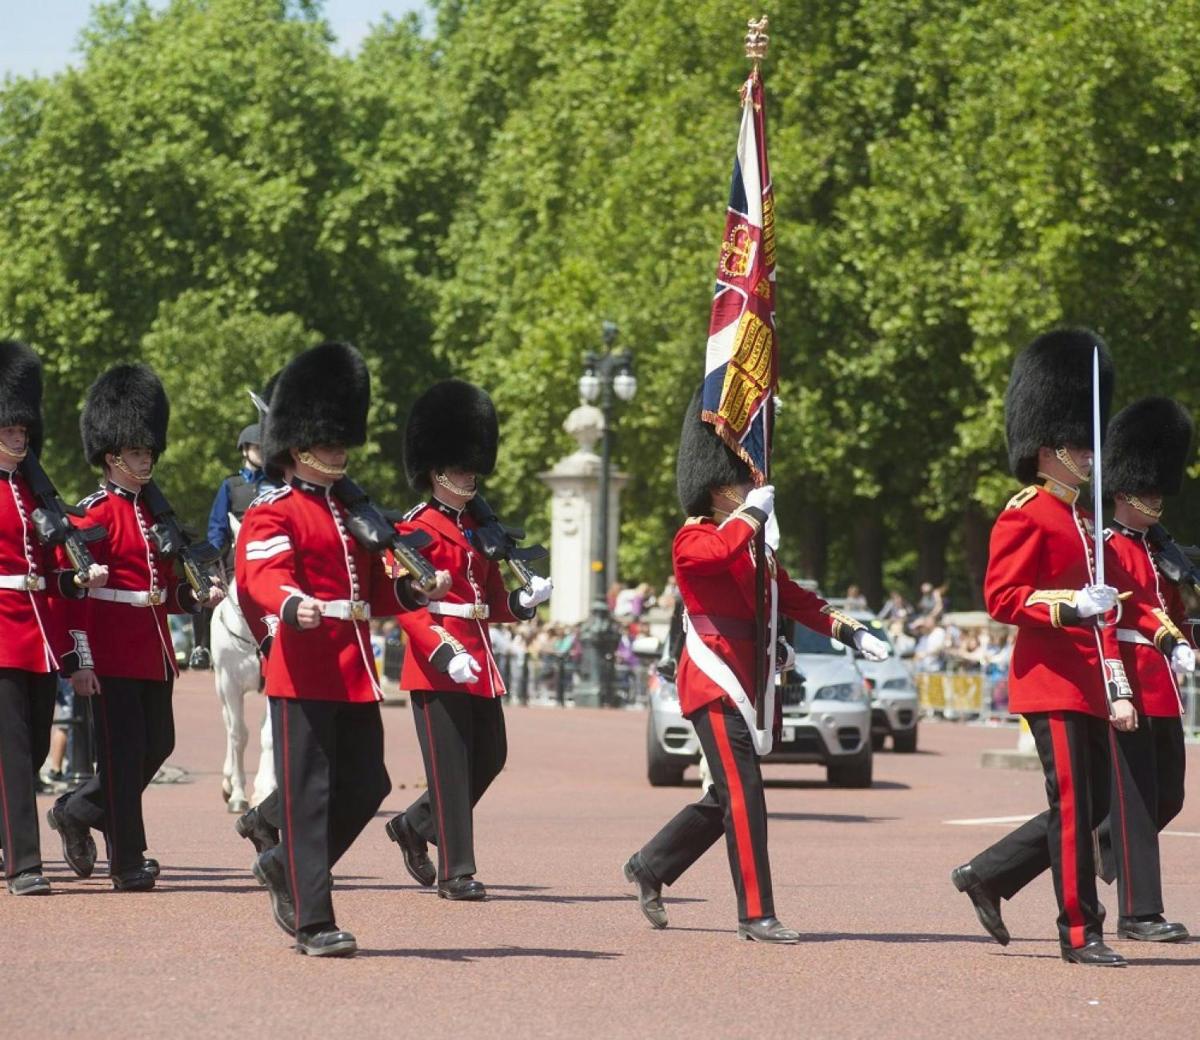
x: 756, y: 50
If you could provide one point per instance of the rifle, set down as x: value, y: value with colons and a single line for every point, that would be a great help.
x: 51, y: 523
x: 1176, y: 562
x: 176, y: 543
x: 498, y: 542
x: 375, y: 532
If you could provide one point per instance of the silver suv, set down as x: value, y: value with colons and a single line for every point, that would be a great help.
x: 826, y: 718
x: 894, y: 702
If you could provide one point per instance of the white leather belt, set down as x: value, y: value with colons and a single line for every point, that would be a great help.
x: 346, y: 609
x: 22, y: 582
x: 475, y: 611
x: 1128, y: 635
x: 135, y: 599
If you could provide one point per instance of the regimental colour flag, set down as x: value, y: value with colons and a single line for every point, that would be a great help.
x: 741, y: 368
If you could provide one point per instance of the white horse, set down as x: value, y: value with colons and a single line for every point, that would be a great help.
x: 235, y: 665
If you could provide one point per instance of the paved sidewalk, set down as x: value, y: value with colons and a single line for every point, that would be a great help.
x: 890, y: 950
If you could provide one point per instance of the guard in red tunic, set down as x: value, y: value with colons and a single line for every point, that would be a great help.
x: 455, y: 684
x: 31, y: 639
x: 309, y: 579
x: 1066, y: 676
x: 714, y: 569
x: 1148, y: 449
x: 123, y: 651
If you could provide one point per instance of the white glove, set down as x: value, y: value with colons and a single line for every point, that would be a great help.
x: 1183, y: 658
x: 463, y: 669
x: 762, y: 498
x: 538, y: 592
x: 873, y: 648
x: 1095, y: 599
x: 785, y: 655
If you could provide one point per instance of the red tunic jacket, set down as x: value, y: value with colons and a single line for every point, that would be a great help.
x: 294, y: 544
x: 1153, y: 622
x: 128, y: 641
x: 1040, y: 556
x: 32, y: 635
x: 714, y: 569
x: 435, y: 637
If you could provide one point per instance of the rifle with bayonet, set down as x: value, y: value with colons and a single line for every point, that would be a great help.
x: 193, y: 556
x: 375, y: 530
x: 51, y: 523
x: 498, y: 542
x: 1176, y: 563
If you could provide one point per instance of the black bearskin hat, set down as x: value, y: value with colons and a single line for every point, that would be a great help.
x: 1049, y: 398
x: 21, y: 391
x: 321, y: 397
x: 1148, y: 448
x: 452, y: 424
x: 704, y: 463
x: 126, y: 407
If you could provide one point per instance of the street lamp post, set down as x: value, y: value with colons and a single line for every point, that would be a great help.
x: 605, y: 375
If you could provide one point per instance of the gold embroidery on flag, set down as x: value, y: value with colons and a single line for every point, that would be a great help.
x: 737, y: 252
x: 748, y: 374
x: 768, y: 231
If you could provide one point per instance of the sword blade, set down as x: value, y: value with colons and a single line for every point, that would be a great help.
x: 1097, y: 472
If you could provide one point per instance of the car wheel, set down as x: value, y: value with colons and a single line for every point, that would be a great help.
x: 662, y: 770
x: 856, y: 773
x: 877, y: 740
x: 905, y: 742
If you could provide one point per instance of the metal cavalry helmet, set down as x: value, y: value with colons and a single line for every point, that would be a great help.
x: 126, y: 407
x: 452, y: 424
x: 320, y: 397
x: 1048, y: 402
x: 1148, y: 448
x: 704, y: 462
x: 21, y: 390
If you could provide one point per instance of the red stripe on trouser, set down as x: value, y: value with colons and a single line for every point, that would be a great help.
x: 289, y: 833
x: 108, y: 785
x: 737, y: 805
x: 1068, y: 823
x: 443, y: 851
x: 1127, y: 864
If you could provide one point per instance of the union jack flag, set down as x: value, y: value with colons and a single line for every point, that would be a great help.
x: 741, y: 368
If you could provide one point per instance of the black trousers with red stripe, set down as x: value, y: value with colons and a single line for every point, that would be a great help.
x: 329, y: 760
x: 135, y: 732
x: 733, y: 805
x: 1074, y: 751
x: 1146, y: 795
x: 465, y: 745
x: 26, y: 710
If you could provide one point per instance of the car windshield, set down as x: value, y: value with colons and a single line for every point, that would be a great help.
x: 806, y: 641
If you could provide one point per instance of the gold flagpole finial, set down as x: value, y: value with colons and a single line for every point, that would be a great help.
x: 757, y: 39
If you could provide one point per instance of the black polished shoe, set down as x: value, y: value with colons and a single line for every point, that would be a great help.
x: 987, y: 906
x: 79, y: 847
x: 325, y: 940
x: 1155, y: 929
x: 251, y: 826
x: 649, y: 893
x: 465, y: 889
x: 269, y: 872
x: 767, y: 930
x: 136, y: 879
x: 29, y: 883
x: 1094, y: 954
x: 151, y: 867
x: 414, y: 849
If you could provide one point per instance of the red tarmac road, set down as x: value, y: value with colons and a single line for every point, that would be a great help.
x: 889, y: 950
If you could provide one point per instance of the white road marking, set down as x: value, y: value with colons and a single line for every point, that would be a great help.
x: 996, y: 821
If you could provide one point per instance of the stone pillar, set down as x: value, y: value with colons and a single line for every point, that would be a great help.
x: 574, y: 512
